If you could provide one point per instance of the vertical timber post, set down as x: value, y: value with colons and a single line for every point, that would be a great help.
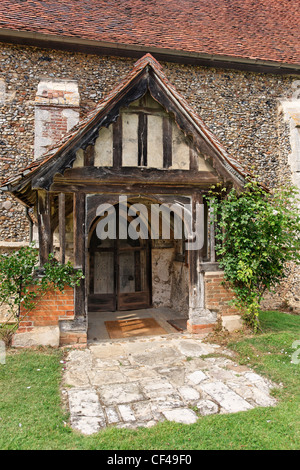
x: 79, y: 251
x: 44, y: 226
x: 200, y: 319
x: 62, y: 227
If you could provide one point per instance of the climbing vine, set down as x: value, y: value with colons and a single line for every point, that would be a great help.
x: 258, y: 233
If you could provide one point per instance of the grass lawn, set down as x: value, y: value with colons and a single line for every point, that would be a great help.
x: 31, y: 415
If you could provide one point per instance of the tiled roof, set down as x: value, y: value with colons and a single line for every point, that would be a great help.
x: 253, y: 29
x: 55, y: 150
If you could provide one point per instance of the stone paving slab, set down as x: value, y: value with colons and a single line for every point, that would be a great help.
x: 143, y: 381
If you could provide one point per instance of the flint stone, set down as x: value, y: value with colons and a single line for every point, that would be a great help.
x: 197, y: 377
x: 207, y: 407
x: 112, y: 415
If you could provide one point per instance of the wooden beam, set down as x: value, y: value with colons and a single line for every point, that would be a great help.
x: 44, y: 226
x: 62, y: 226
x: 195, y: 257
x: 130, y: 188
x: 134, y: 174
x: 79, y: 251
x: 142, y: 139
x: 44, y: 176
x: 79, y: 230
x: 205, y: 146
x: 193, y: 160
x: 167, y: 142
x: 117, y: 143
x: 89, y: 155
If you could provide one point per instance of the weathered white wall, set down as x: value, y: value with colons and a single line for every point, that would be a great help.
x: 56, y: 112
x: 104, y: 147
x: 180, y: 150
x: 169, y: 280
x: 130, y: 139
x: 161, y: 276
x: 180, y: 287
x: 155, y: 142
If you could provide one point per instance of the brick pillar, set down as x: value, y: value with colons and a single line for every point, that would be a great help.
x: 200, y: 318
x: 217, y: 299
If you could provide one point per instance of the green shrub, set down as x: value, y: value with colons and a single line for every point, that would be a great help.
x: 23, y: 283
x: 258, y: 233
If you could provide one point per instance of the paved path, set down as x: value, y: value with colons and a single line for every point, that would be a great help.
x: 140, y: 382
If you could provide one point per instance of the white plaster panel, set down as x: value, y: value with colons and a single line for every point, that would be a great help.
x: 180, y: 150
x: 79, y: 162
x: 104, y: 147
x: 155, y: 142
x: 130, y: 139
x: 203, y: 165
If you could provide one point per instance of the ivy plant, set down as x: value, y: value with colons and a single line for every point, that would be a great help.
x: 23, y: 284
x: 257, y: 234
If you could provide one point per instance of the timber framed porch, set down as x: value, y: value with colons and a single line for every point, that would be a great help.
x: 145, y: 143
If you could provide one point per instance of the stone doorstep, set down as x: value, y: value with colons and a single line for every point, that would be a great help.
x: 40, y: 335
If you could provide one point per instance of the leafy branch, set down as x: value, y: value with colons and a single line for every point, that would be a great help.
x: 257, y: 234
x: 23, y: 284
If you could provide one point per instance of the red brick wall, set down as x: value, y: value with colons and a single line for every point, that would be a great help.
x: 56, y: 126
x: 217, y: 296
x: 49, y: 310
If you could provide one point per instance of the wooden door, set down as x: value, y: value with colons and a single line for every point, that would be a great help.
x: 102, y: 277
x: 119, y: 275
x: 133, y: 274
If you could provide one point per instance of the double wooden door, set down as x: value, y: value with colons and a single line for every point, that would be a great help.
x: 119, y: 275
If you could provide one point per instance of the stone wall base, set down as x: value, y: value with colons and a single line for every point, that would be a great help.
x: 49, y: 336
x: 38, y: 336
x: 76, y: 339
x: 200, y: 329
x: 232, y: 322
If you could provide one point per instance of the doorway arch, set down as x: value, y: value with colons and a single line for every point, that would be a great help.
x: 119, y: 270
